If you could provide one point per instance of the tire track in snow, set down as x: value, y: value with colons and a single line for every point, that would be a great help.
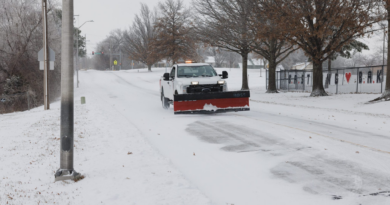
x: 317, y: 172
x: 311, y: 132
x: 319, y: 134
x: 127, y: 82
x: 327, y: 109
x: 179, y: 177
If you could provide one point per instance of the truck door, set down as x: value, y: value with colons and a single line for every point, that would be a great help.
x: 171, y: 82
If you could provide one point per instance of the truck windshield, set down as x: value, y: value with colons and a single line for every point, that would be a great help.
x: 195, y: 71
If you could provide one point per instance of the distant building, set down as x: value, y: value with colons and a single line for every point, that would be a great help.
x: 303, y: 66
x: 160, y: 64
x: 279, y: 68
x: 210, y: 60
x: 254, y: 64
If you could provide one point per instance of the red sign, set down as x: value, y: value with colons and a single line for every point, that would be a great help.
x: 348, y: 76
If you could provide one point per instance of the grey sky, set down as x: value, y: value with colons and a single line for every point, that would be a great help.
x: 119, y: 14
x: 107, y: 16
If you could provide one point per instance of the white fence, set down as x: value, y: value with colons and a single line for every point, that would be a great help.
x: 343, y: 80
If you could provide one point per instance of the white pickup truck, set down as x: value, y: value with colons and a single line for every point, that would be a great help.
x: 190, y: 78
x: 197, y: 88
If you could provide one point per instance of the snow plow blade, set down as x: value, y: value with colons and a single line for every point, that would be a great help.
x: 206, y: 103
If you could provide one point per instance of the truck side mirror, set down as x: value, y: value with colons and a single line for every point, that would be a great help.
x: 225, y: 75
x: 166, y: 76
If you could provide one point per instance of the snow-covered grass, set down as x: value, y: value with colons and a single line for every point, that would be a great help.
x: 119, y: 166
x: 289, y: 149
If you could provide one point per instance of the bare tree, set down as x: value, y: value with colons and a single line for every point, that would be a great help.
x: 175, y: 36
x: 112, y: 44
x: 220, y: 55
x: 225, y: 24
x: 234, y: 59
x: 20, y: 41
x: 273, y: 48
x: 18, y: 25
x: 274, y: 51
x: 321, y: 28
x: 102, y: 61
x: 140, y: 37
x: 116, y: 43
x: 296, y: 57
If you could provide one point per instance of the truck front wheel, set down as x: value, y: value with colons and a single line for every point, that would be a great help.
x: 164, y: 100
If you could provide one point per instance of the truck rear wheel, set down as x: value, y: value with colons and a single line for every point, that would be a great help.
x: 164, y: 100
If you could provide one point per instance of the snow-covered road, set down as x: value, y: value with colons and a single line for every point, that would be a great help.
x: 289, y: 149
x: 304, y: 154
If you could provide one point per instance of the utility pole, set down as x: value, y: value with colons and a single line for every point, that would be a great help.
x: 230, y: 60
x: 46, y: 57
x: 384, y: 45
x: 77, y: 48
x: 86, y: 53
x: 120, y: 59
x: 383, y: 63
x: 66, y: 170
x: 111, y: 56
x: 77, y: 55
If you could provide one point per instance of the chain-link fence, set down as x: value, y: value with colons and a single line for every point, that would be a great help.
x: 370, y: 79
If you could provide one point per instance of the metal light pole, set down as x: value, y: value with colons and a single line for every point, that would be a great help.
x: 383, y: 63
x: 77, y: 55
x: 384, y: 39
x: 120, y: 60
x: 110, y: 48
x: 66, y: 170
x: 46, y: 57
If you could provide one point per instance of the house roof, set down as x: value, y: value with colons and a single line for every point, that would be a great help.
x: 210, y: 59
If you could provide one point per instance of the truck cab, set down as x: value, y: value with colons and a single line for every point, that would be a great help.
x: 191, y: 79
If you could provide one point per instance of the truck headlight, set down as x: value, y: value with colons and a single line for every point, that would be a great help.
x: 184, y: 89
x: 221, y: 82
x: 194, y: 83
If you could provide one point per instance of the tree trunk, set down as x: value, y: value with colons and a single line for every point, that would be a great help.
x: 244, y: 72
x: 272, y: 77
x: 318, y: 85
x: 329, y: 71
x: 386, y: 94
x: 150, y: 68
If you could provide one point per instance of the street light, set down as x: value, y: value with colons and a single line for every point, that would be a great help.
x: 77, y: 54
x: 66, y: 170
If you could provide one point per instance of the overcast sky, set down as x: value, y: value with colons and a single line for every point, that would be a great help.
x: 107, y: 16
x: 119, y: 14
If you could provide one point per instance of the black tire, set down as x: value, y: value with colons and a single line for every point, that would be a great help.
x: 164, y: 100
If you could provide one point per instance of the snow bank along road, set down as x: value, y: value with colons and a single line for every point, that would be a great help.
x: 289, y: 149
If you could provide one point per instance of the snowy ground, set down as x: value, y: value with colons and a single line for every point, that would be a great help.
x: 289, y: 149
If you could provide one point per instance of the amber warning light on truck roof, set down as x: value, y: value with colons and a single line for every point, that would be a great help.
x: 188, y: 62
